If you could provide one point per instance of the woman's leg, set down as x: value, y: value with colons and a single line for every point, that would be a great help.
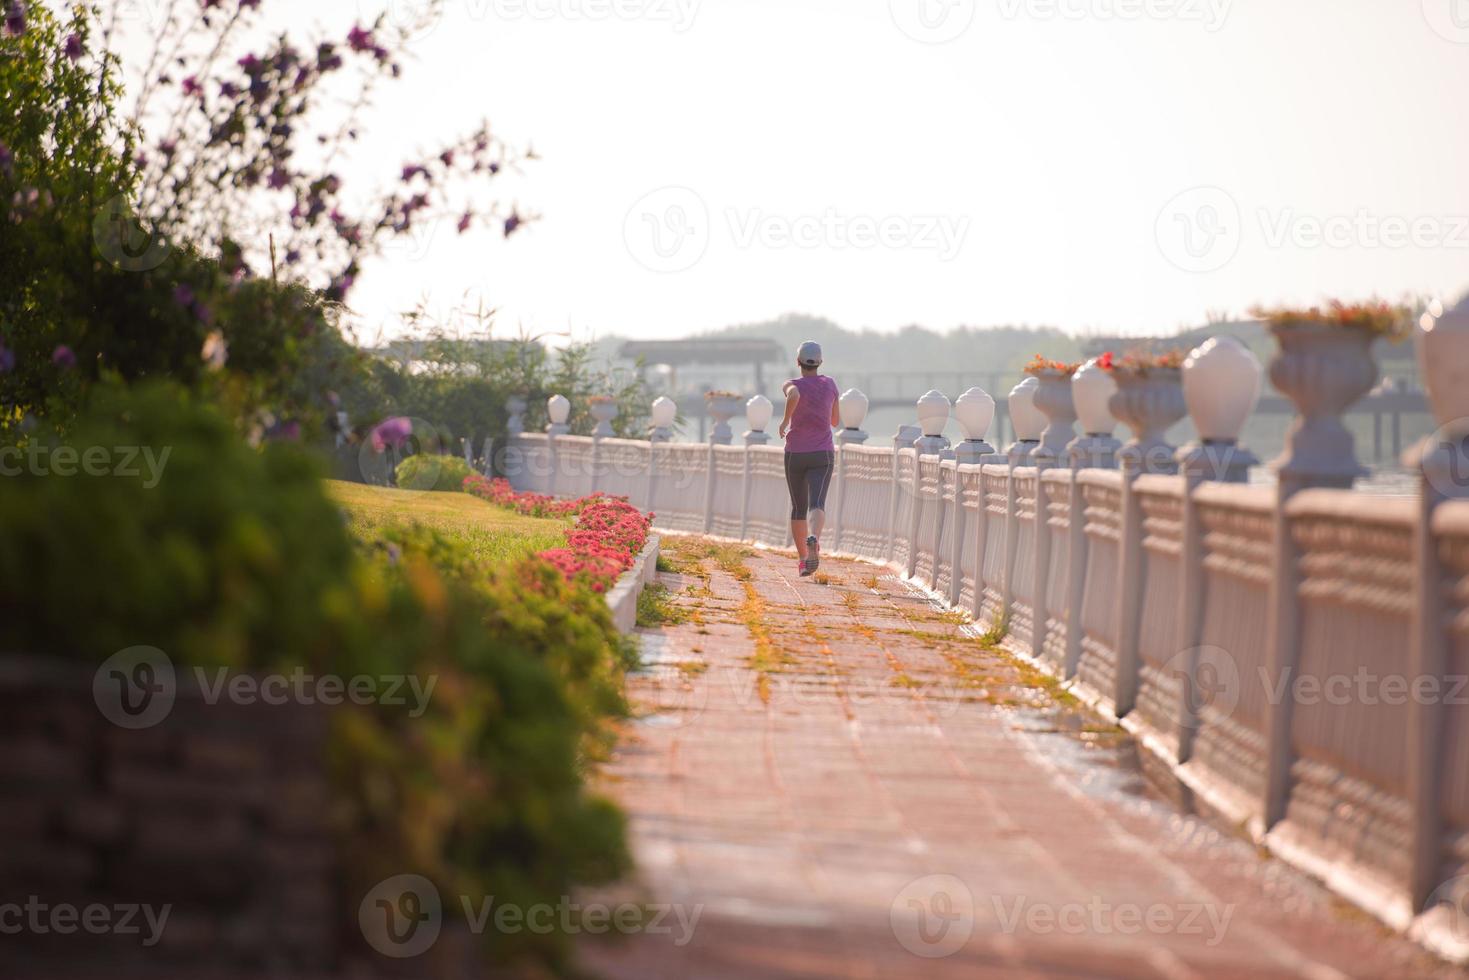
x: 818, y: 480
x: 800, y: 501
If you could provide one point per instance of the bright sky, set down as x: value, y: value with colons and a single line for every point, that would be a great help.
x: 1099, y: 165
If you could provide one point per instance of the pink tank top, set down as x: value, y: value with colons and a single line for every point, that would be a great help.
x: 811, y: 424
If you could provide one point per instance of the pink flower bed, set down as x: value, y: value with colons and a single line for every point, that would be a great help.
x: 608, y: 535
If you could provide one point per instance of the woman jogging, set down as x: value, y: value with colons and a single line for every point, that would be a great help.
x: 811, y: 414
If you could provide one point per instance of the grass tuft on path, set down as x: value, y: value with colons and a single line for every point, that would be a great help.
x: 492, y: 533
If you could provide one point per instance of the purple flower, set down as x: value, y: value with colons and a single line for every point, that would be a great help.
x: 15, y: 18
x: 391, y: 432
x: 7, y: 161
x: 7, y: 359
x: 183, y: 295
x: 465, y: 222
x: 360, y: 39
x: 191, y: 86
x: 73, y: 48
x: 511, y: 223
x: 63, y: 357
x: 278, y: 179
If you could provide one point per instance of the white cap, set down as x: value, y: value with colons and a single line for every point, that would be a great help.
x: 809, y: 355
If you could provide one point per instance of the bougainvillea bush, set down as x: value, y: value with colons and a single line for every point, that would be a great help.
x: 189, y: 215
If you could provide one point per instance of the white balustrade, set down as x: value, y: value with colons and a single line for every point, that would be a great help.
x: 1189, y: 607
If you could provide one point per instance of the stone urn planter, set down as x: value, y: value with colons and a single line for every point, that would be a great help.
x: 604, y: 410
x: 975, y: 411
x: 933, y: 414
x: 1027, y: 421
x: 515, y: 407
x: 1092, y: 388
x: 1053, y: 398
x: 853, y: 411
x: 723, y: 406
x: 1443, y: 358
x: 1322, y: 368
x: 1149, y: 403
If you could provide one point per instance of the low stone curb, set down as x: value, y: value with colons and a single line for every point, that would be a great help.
x: 622, y: 598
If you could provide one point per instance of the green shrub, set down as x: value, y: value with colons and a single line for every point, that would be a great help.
x: 432, y: 471
x: 222, y: 555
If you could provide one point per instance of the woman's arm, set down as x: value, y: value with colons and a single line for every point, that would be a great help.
x: 793, y: 395
x: 836, y: 406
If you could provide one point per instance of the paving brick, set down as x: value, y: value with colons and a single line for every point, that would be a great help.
x: 886, y: 758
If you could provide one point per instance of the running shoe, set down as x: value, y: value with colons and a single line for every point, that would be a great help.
x: 813, y: 548
x: 805, y: 567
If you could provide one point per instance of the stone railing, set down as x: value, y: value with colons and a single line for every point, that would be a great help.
x: 1296, y: 654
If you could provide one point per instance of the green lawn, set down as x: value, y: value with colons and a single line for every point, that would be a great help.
x: 492, y: 533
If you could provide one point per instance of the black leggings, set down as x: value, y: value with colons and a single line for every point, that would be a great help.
x: 808, y: 475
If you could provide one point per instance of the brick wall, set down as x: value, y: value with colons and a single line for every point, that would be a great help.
x: 219, y: 812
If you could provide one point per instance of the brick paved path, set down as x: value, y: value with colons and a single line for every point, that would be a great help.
x: 841, y: 781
